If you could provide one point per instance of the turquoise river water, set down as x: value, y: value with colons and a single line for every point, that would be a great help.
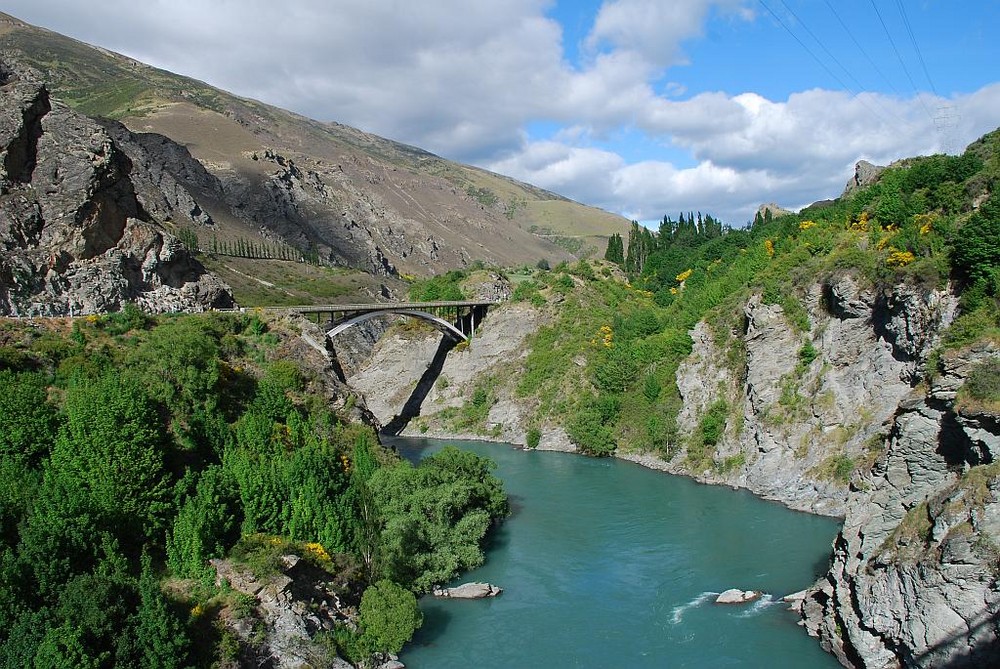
x: 608, y: 564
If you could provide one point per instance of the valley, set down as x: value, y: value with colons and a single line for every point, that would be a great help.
x: 191, y: 474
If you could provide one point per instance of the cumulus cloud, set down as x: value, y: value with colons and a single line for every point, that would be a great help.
x: 467, y: 78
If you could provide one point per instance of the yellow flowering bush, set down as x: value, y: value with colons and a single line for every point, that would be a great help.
x: 318, y: 551
x: 805, y: 225
x: 606, y: 335
x: 860, y: 225
x: 769, y: 247
x: 899, y: 258
x: 925, y: 221
x: 684, y: 276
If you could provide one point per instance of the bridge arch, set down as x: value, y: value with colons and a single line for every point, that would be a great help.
x: 436, y: 321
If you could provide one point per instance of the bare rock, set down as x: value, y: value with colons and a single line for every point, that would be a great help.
x: 468, y: 591
x: 737, y: 596
x: 865, y: 174
x: 913, y: 575
x: 75, y: 235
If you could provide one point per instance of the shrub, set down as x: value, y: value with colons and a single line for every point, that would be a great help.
x: 389, y: 616
x: 807, y: 353
x: 983, y: 383
x: 713, y: 423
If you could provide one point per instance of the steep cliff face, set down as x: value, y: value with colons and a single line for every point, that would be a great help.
x: 80, y: 222
x: 914, y: 573
x: 807, y: 408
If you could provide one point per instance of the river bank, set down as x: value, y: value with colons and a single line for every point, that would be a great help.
x: 610, y: 565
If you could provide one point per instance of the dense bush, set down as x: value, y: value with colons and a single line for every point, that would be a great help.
x: 140, y: 448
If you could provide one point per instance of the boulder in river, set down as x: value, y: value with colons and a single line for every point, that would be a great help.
x: 737, y: 596
x: 468, y: 591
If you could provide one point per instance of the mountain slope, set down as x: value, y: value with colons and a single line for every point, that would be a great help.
x: 344, y: 196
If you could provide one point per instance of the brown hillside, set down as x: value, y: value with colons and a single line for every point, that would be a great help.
x: 264, y: 174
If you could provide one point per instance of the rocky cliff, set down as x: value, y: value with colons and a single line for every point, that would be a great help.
x: 914, y: 573
x: 838, y: 419
x: 810, y: 406
x: 81, y: 222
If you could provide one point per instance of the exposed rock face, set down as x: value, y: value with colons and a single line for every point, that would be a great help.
x: 775, y: 209
x: 399, y: 359
x: 469, y: 591
x: 811, y: 399
x: 737, y: 596
x: 288, y: 609
x: 914, y: 576
x: 865, y: 174
x: 77, y: 233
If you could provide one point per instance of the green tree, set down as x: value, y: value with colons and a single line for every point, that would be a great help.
x: 616, y: 249
x: 975, y: 254
x: 435, y: 516
x: 389, y: 616
x: 113, y: 448
x: 157, y: 637
x: 206, y: 524
x: 29, y: 421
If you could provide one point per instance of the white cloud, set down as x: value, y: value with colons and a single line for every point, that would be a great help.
x: 465, y: 78
x: 652, y: 28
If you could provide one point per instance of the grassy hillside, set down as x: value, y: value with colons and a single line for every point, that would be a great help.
x: 474, y: 214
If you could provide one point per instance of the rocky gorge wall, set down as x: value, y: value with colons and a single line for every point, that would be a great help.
x: 913, y: 579
x: 837, y: 419
x: 81, y: 221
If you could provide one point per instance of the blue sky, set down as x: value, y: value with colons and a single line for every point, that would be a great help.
x: 642, y: 107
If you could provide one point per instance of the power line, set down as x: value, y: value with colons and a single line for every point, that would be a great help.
x: 817, y: 58
x: 913, y: 40
x: 861, y: 48
x: 900, y: 58
x: 804, y: 46
x: 820, y: 42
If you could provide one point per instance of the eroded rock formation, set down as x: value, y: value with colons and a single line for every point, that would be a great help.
x: 914, y: 575
x: 80, y: 222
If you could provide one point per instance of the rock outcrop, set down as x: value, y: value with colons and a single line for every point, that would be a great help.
x: 814, y: 403
x: 737, y: 596
x: 81, y: 224
x: 865, y: 174
x: 468, y: 591
x: 286, y: 610
x: 914, y: 575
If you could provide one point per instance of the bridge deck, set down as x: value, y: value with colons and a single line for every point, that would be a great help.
x: 385, y: 306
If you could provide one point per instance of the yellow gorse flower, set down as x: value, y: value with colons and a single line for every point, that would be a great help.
x: 805, y: 225
x: 607, y: 335
x: 318, y: 551
x: 684, y: 276
x: 860, y: 225
x: 899, y: 258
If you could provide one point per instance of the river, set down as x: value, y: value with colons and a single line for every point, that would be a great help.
x: 605, y: 563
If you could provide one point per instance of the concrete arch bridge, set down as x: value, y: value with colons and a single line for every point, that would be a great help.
x: 456, y: 319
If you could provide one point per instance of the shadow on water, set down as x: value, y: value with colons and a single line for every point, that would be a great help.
x: 822, y: 565
x: 436, y: 622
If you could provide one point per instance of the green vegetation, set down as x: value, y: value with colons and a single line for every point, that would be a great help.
x: 605, y: 367
x: 135, y: 449
x: 439, y: 288
x: 285, y: 282
x: 981, y: 391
